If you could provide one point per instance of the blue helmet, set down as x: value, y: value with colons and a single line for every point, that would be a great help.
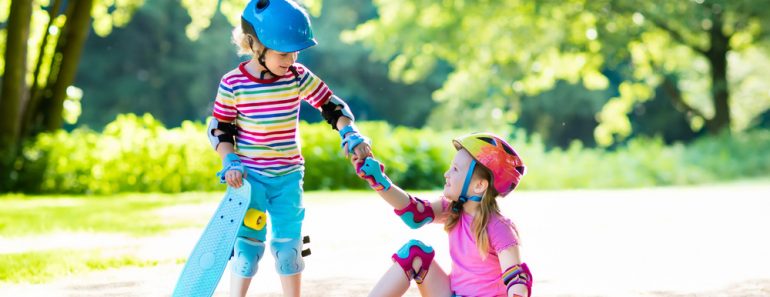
x: 280, y: 25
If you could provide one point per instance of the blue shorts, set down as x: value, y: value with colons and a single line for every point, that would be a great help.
x: 281, y: 198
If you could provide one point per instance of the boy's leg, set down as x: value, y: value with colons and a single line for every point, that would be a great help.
x: 249, y: 246
x: 284, y: 203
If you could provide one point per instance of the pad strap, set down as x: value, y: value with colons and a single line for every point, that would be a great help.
x: 373, y: 172
x: 335, y: 108
x: 229, y: 131
x: 518, y: 274
x: 352, y: 138
x: 406, y: 255
x: 231, y: 162
x: 411, y: 215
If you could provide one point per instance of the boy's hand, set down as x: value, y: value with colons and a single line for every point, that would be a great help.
x: 355, y: 143
x: 232, y: 171
x: 361, y: 151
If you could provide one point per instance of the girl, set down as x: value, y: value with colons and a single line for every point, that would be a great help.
x: 483, y: 244
x: 254, y: 130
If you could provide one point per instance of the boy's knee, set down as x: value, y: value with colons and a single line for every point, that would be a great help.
x: 288, y: 255
x: 246, y: 256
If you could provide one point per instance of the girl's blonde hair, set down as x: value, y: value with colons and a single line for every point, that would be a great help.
x: 241, y: 41
x: 487, y: 208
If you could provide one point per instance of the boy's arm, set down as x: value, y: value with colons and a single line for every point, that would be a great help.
x: 222, y: 137
x: 516, y: 275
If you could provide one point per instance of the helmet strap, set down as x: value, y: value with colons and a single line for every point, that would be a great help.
x: 463, y: 196
x: 261, y: 60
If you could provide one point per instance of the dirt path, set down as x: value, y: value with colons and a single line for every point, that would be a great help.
x: 705, y: 241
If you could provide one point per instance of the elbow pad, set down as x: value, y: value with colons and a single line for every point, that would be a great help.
x: 229, y: 130
x: 334, y: 109
x: 412, y: 216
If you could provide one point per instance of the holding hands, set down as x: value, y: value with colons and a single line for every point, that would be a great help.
x: 354, y: 143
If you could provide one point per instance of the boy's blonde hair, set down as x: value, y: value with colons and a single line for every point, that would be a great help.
x: 241, y: 41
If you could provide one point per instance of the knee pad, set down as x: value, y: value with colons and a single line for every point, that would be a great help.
x: 412, y: 216
x: 406, y: 255
x: 247, y: 254
x: 288, y: 255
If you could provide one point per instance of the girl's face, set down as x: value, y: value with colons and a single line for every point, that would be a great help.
x: 455, y: 176
x: 279, y: 62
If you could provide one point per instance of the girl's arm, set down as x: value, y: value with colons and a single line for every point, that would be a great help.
x: 516, y: 275
x: 414, y: 211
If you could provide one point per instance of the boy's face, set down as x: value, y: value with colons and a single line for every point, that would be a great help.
x: 279, y: 62
x: 455, y: 176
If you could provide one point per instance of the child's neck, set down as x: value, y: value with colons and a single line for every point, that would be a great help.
x: 255, y: 69
x: 471, y: 208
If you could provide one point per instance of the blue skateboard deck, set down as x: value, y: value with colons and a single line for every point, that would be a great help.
x: 209, y: 257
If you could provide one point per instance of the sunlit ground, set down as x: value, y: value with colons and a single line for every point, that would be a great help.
x: 701, y: 241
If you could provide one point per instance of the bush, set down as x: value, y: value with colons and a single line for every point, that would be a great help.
x: 137, y: 154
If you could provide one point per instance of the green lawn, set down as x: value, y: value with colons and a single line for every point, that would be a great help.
x: 43, y: 266
x: 130, y: 214
x: 127, y: 213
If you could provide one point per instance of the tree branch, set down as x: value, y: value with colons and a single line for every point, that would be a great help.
x: 676, y: 96
x: 676, y: 35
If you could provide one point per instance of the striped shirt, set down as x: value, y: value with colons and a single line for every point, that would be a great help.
x: 266, y: 112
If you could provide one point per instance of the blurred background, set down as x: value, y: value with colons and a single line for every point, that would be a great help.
x: 102, y: 100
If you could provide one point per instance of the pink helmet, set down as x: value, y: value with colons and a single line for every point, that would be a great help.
x: 496, y: 155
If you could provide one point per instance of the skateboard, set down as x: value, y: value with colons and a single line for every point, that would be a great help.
x: 209, y: 257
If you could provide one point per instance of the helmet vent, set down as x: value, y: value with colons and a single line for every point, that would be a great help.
x: 521, y: 169
x: 488, y: 140
x: 262, y: 4
x: 508, y: 149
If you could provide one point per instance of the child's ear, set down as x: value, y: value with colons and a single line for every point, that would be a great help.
x: 480, y: 186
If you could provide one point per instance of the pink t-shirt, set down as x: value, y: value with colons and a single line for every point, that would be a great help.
x: 472, y: 276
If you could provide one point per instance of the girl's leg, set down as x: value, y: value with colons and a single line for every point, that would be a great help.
x: 392, y: 283
x: 436, y: 282
x: 408, y: 264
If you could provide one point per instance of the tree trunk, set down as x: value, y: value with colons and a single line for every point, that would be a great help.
x: 31, y: 120
x: 13, y: 87
x: 717, y: 56
x: 67, y: 57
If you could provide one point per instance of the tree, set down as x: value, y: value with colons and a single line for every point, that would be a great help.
x: 54, y: 31
x: 502, y: 50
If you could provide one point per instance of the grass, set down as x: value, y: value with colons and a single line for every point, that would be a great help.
x: 127, y: 213
x: 131, y: 214
x: 43, y: 266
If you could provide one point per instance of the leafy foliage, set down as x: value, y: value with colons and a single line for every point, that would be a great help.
x: 500, y: 51
x: 137, y: 154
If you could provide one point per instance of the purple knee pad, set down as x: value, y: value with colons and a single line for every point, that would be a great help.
x: 406, y: 255
x: 412, y: 216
